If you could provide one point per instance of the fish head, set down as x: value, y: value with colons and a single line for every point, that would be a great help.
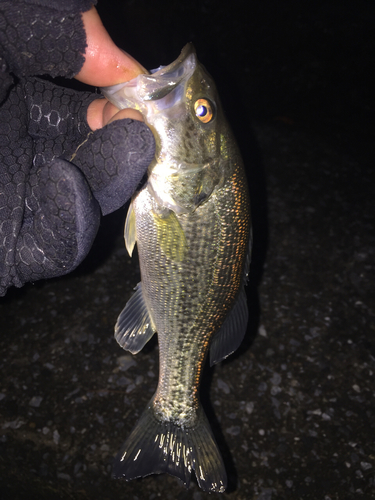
x: 180, y: 104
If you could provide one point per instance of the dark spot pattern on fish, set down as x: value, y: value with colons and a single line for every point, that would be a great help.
x: 192, y: 225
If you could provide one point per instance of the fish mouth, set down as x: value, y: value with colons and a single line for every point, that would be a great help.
x: 154, y: 86
x: 165, y: 79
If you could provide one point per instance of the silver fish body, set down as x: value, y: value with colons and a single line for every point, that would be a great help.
x: 191, y: 223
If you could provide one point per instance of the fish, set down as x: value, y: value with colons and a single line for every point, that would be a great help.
x: 192, y: 227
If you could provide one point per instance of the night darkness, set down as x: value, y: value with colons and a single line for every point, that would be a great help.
x: 293, y: 410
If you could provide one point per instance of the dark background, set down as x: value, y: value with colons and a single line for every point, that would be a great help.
x: 293, y: 410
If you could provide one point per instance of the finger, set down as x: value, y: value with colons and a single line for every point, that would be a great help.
x: 133, y: 114
x: 101, y: 112
x: 59, y: 230
x: 114, y: 160
x: 105, y: 64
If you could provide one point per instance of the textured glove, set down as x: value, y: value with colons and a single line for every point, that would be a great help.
x: 48, y: 216
x: 55, y: 173
x: 41, y: 37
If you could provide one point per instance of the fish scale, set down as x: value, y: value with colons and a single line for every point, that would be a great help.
x: 177, y: 314
x: 191, y: 224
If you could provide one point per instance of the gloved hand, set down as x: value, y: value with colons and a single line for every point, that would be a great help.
x: 56, y: 174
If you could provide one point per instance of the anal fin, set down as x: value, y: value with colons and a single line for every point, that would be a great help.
x: 134, y: 327
x: 232, y: 331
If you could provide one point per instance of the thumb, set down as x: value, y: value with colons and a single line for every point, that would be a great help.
x: 105, y: 64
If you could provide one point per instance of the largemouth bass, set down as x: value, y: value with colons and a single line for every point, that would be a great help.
x: 191, y: 223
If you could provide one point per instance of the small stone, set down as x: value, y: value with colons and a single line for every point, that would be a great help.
x: 82, y: 337
x: 249, y: 407
x: 99, y: 418
x: 366, y: 466
x: 262, y: 331
x: 61, y: 475
x: 276, y: 379
x: 35, y: 401
x: 314, y: 331
x: 77, y: 467
x: 262, y: 387
x: 234, y: 430
x: 275, y: 390
x: 318, y: 411
x: 123, y: 381
x: 56, y: 437
x: 14, y: 424
x: 223, y: 386
x: 125, y: 362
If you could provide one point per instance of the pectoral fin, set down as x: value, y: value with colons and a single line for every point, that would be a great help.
x: 129, y: 230
x: 134, y: 327
x: 171, y: 236
x: 232, y: 331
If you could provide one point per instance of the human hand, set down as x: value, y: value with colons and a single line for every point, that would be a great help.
x: 105, y: 65
x: 48, y: 214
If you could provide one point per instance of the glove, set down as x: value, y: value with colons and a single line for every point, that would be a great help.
x: 41, y: 37
x: 56, y: 175
x: 49, y: 207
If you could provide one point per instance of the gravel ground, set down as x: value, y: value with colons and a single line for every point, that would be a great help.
x: 293, y: 410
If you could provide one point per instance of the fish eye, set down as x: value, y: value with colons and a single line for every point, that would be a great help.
x: 204, y: 110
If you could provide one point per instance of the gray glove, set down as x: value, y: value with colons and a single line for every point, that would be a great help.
x: 55, y: 174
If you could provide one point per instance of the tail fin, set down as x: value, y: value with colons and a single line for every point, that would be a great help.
x: 155, y: 446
